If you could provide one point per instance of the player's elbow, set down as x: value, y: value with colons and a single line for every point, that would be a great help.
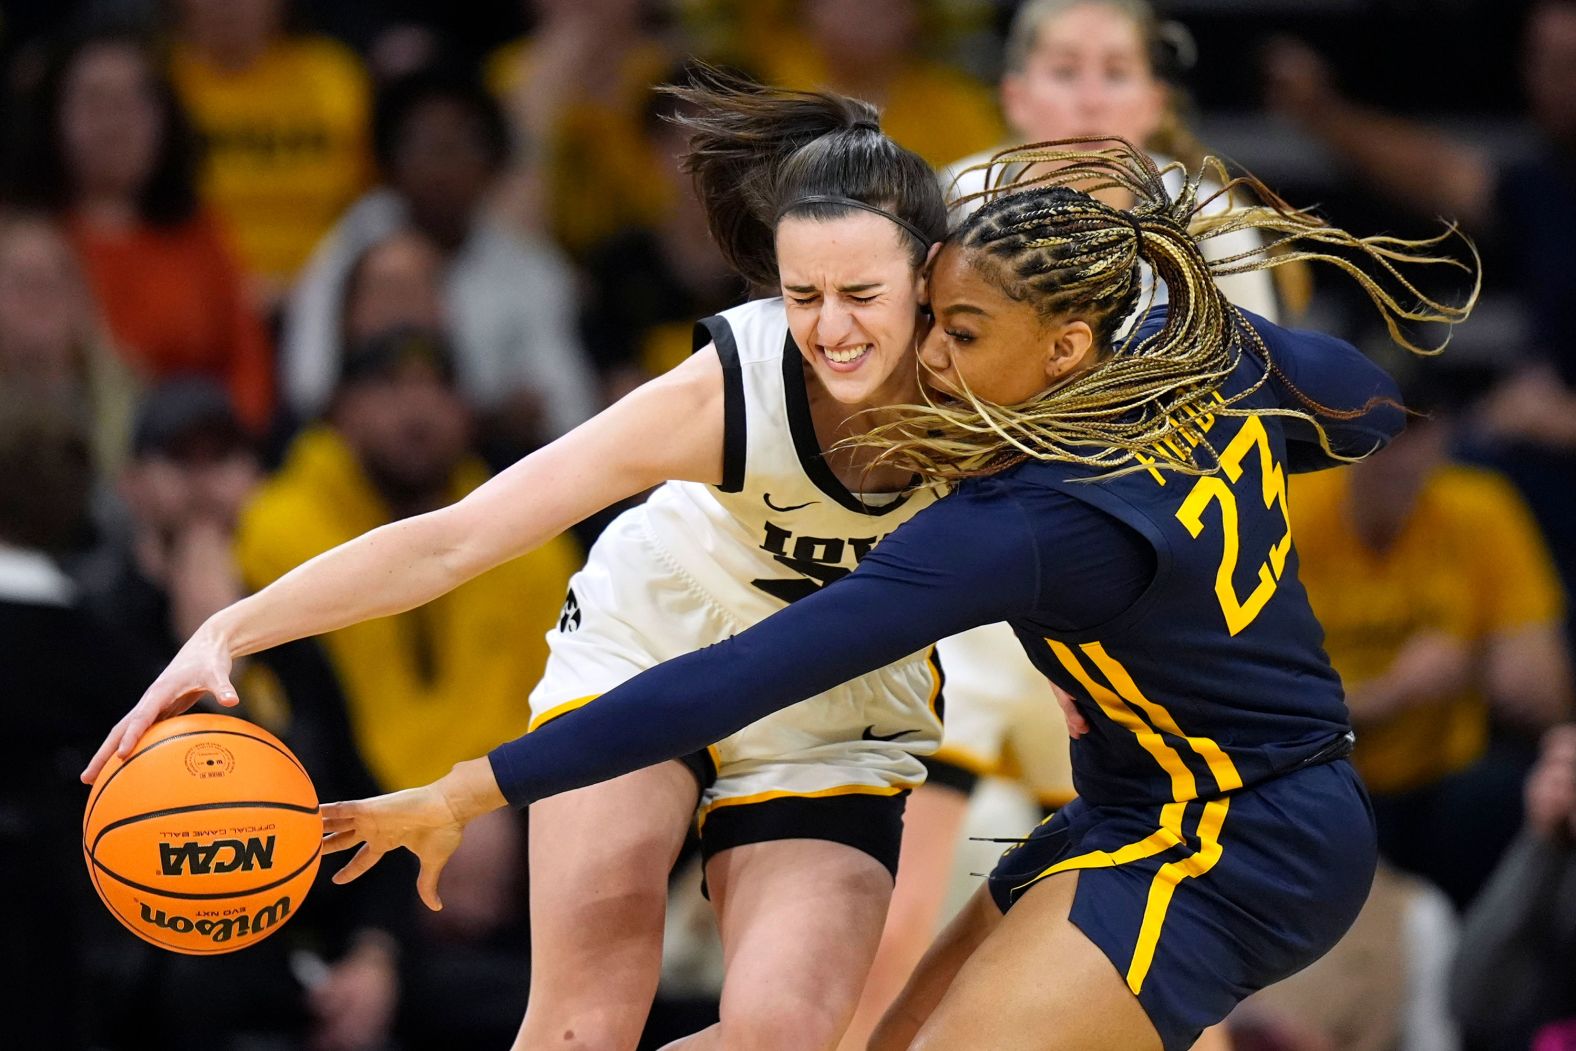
x: 460, y: 544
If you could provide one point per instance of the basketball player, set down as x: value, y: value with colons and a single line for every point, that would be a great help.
x: 1073, y: 68
x: 800, y: 817
x: 1122, y: 506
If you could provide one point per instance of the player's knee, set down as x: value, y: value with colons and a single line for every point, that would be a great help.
x: 580, y: 1027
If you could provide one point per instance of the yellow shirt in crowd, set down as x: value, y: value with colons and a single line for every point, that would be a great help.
x: 286, y: 143
x: 1470, y: 563
x: 434, y: 686
x: 934, y: 110
x: 602, y: 174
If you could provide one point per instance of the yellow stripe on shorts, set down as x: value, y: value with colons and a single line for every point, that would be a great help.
x: 1165, y: 885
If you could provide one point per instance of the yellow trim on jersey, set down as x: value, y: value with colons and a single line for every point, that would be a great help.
x: 1220, y: 764
x: 716, y: 758
x: 1168, y: 835
x: 1165, y: 884
x: 1183, y: 786
x: 820, y: 793
x: 548, y: 716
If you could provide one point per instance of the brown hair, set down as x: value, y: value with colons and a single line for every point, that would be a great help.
x: 756, y: 150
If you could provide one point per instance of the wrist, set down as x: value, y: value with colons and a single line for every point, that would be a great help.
x: 219, y: 630
x: 470, y: 790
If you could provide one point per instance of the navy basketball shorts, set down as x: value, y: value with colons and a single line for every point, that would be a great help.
x: 1199, y: 904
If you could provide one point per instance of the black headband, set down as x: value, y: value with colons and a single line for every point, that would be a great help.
x: 849, y: 202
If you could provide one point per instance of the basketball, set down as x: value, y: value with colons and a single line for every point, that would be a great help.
x: 206, y: 838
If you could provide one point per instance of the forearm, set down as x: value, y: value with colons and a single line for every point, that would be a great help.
x: 1413, y: 164
x: 1432, y: 664
x: 1529, y: 676
x: 622, y: 451
x: 922, y: 583
x: 389, y: 570
x: 675, y: 708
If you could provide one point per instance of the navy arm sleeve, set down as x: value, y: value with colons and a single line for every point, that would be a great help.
x: 969, y: 559
x: 1332, y: 374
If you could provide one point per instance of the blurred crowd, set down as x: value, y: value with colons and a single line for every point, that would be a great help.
x: 274, y: 272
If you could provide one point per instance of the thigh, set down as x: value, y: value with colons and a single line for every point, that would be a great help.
x: 935, y: 972
x: 1037, y: 983
x: 1198, y: 904
x: 800, y: 920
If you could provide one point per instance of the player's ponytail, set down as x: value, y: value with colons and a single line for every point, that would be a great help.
x: 754, y: 152
x: 1048, y: 242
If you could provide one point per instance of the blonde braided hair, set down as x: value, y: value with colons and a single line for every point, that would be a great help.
x: 1044, y: 240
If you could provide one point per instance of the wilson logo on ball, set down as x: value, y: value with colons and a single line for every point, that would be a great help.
x: 223, y: 928
x: 222, y: 855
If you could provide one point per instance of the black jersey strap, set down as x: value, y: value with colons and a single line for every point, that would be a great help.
x: 735, y: 440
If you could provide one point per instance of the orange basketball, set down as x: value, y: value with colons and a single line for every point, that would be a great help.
x: 206, y: 838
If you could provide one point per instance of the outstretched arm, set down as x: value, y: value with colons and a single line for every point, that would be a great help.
x: 1415, y: 165
x: 966, y: 561
x: 624, y: 450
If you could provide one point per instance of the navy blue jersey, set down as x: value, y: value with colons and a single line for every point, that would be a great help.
x: 1167, y: 605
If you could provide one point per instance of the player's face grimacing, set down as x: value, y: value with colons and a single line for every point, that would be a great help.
x: 852, y: 295
x: 997, y: 347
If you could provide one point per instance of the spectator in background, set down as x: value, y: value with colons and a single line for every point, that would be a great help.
x: 576, y: 91
x: 872, y: 49
x: 1516, y: 972
x: 1444, y: 617
x: 110, y: 154
x: 1527, y: 206
x: 440, y: 145
x: 63, y: 676
x: 395, y: 443
x: 192, y: 470
x: 397, y: 283
x: 50, y: 342
x: 1080, y: 68
x: 283, y: 118
x: 650, y: 282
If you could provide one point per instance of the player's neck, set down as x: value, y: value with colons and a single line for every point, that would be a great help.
x: 836, y: 420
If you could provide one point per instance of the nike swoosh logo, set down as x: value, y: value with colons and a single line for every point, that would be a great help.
x: 785, y: 510
x: 871, y: 735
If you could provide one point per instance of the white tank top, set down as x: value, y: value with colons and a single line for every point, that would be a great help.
x: 781, y: 525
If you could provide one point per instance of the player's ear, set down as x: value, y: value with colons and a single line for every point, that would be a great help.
x: 1069, y: 349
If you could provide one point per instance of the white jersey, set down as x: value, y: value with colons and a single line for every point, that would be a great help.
x: 697, y: 563
x: 781, y: 525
